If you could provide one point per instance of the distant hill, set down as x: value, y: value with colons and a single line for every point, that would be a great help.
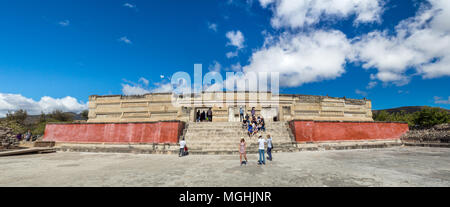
x: 33, y: 119
x: 407, y: 109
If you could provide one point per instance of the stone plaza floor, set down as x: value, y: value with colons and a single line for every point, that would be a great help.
x: 397, y: 166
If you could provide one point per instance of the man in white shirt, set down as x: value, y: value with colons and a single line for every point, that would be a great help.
x: 182, y: 145
x: 262, y: 158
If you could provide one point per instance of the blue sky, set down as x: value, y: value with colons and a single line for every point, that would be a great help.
x: 54, y: 54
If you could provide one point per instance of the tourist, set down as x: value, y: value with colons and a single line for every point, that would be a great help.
x: 253, y: 112
x: 244, y: 124
x: 255, y: 129
x: 247, y: 118
x: 202, y: 116
x: 186, y: 150
x: 198, y: 116
x: 19, y: 137
x: 250, y: 130
x: 182, y: 145
x: 262, y: 158
x: 263, y: 124
x: 209, y: 114
x: 242, y: 151
x: 28, y: 136
x: 269, y: 147
x: 241, y: 113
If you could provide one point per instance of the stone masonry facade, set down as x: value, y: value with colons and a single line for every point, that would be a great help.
x: 225, y: 107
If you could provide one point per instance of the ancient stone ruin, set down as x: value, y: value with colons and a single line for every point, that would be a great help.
x: 7, y: 138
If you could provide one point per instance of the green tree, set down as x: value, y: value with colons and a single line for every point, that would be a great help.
x: 85, y: 114
x: 59, y: 115
x: 18, y: 116
x: 429, y: 117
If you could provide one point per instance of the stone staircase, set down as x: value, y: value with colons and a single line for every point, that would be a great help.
x: 224, y: 137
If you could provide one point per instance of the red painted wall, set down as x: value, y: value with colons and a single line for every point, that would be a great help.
x: 155, y: 132
x: 317, y: 131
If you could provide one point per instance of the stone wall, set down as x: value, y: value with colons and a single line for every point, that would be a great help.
x: 225, y: 107
x: 320, y: 131
x: 150, y: 132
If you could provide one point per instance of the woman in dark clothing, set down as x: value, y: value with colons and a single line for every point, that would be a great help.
x: 203, y: 116
x: 198, y: 116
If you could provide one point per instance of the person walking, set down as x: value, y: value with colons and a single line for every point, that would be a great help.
x: 242, y: 151
x: 269, y: 147
x: 262, y: 158
x: 253, y: 111
x: 182, y: 146
x: 198, y: 116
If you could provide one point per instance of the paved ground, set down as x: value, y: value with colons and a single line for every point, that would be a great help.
x: 398, y: 166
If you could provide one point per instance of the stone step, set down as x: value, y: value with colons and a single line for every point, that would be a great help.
x: 218, y: 140
x: 236, y: 134
x: 193, y: 141
x: 228, y: 125
x: 220, y: 137
x: 233, y: 130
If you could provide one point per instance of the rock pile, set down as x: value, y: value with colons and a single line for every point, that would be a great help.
x: 7, y: 138
x: 437, y: 134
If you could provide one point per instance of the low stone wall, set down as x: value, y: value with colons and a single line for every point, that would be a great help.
x: 145, y: 132
x: 320, y: 131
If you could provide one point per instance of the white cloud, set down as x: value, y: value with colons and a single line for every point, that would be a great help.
x: 421, y: 43
x: 128, y: 89
x: 303, y: 57
x: 235, y: 38
x: 13, y: 102
x: 212, y: 26
x: 144, y: 81
x: 359, y: 92
x: 300, y: 13
x: 231, y: 54
x: 129, y: 5
x: 439, y: 100
x: 371, y: 84
x: 236, y: 67
x: 64, y: 23
x: 215, y: 67
x: 125, y: 40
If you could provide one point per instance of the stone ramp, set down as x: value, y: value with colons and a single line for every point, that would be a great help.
x: 224, y: 137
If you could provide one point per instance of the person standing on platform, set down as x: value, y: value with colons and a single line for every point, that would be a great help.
x: 269, y: 147
x: 198, y: 116
x: 241, y: 114
x: 202, y: 116
x: 182, y: 146
x: 209, y: 114
x: 242, y: 151
x: 262, y: 158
